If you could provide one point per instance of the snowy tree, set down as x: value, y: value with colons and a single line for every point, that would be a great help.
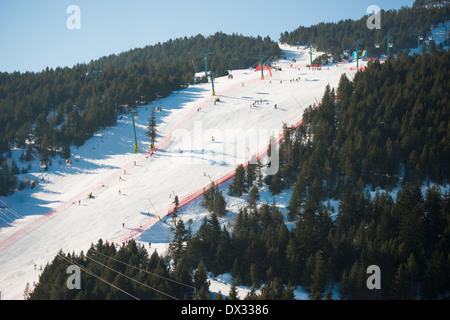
x: 238, y: 186
x: 151, y: 133
x: 177, y: 247
x: 253, y: 197
x: 176, y: 203
x: 220, y: 206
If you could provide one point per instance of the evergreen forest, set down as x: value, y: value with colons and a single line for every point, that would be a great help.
x: 402, y: 26
x: 387, y: 130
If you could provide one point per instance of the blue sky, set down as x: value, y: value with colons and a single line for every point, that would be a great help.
x: 34, y: 34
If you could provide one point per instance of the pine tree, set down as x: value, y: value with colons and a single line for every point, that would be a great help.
x: 434, y: 219
x: 177, y: 246
x: 176, y: 203
x: 251, y: 295
x: 288, y: 293
x: 329, y: 295
x: 238, y: 186
x: 286, y: 146
x: 275, y: 183
x: 405, y: 285
x: 201, y: 282
x: 233, y: 294
x: 436, y: 277
x: 66, y: 153
x: 218, y: 296
x: 209, y: 197
x: 254, y: 275
x: 214, y: 201
x: 253, y: 197
x: 409, y: 208
x: 315, y: 191
x: 297, y: 198
x: 220, y: 205
x: 224, y: 254
x: 151, y: 133
x: 259, y: 174
x: 252, y: 172
x: 356, y: 281
x: 318, y: 277
x: 45, y: 145
x: 344, y: 290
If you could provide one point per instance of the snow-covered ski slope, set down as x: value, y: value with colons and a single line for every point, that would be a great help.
x: 199, y: 140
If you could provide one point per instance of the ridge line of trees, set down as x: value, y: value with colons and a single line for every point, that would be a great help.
x: 403, y: 26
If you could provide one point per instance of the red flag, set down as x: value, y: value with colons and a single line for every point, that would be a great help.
x: 258, y: 68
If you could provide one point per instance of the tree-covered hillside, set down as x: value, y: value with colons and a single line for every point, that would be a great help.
x: 388, y: 128
x: 403, y: 27
x: 106, y: 272
x: 390, y: 124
